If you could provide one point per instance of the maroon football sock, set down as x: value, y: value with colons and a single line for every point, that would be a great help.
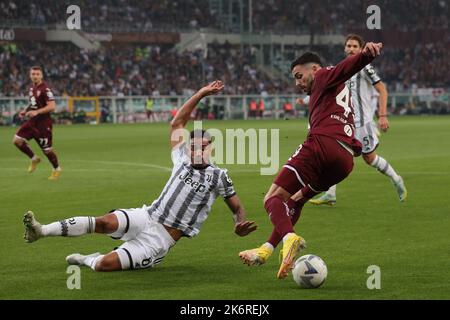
x: 26, y: 149
x: 295, y: 210
x: 279, y: 215
x: 52, y: 158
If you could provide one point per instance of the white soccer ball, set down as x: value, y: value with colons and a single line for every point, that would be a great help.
x: 309, y: 271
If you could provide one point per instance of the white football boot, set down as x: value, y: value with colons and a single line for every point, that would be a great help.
x: 78, y: 259
x: 33, y: 229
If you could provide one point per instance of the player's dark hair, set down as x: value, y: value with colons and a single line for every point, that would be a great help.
x: 36, y: 68
x: 197, y: 133
x: 307, y: 57
x: 355, y: 37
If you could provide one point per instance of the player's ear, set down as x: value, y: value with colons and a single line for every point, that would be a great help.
x: 315, y: 68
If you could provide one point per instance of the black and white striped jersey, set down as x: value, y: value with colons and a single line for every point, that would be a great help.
x: 187, y: 197
x: 362, y: 93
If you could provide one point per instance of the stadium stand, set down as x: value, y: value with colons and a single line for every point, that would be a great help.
x: 164, y: 70
x: 131, y: 70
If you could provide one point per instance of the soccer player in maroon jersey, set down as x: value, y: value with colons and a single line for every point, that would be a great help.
x: 324, y: 159
x: 39, y: 123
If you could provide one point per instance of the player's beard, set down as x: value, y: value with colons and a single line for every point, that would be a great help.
x: 198, y: 163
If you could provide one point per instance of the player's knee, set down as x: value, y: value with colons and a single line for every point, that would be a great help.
x: 47, y: 151
x: 369, y: 158
x: 17, y: 142
x: 108, y: 263
x: 279, y: 192
x: 106, y: 224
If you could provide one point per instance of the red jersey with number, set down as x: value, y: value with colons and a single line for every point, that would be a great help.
x: 39, y: 96
x: 330, y: 108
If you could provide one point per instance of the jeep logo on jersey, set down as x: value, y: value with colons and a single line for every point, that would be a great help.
x: 187, y: 179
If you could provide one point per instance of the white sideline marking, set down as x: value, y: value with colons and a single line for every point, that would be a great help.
x: 136, y: 164
x: 154, y: 166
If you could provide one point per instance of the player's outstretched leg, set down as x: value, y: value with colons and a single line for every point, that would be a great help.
x: 328, y: 198
x: 385, y: 168
x: 72, y: 227
x: 113, y: 224
x: 23, y: 146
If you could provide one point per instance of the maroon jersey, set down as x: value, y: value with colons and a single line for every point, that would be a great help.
x: 40, y: 126
x: 330, y: 108
x: 40, y: 95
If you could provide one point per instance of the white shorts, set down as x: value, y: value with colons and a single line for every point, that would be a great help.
x: 146, y: 241
x: 368, y: 136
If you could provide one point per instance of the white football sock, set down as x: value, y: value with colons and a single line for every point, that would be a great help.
x: 385, y: 168
x: 287, y: 235
x: 332, y: 191
x: 91, y: 262
x: 72, y: 227
x: 268, y: 246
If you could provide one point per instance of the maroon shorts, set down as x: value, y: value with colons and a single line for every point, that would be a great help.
x: 41, y: 131
x: 319, y: 163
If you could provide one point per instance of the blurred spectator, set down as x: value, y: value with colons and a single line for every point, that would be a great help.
x: 288, y: 109
x: 253, y: 109
x: 149, y: 109
x: 64, y: 117
x: 121, y: 70
x: 280, y: 16
x: 110, y: 15
x: 79, y: 116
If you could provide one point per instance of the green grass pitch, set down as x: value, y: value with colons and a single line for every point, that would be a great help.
x: 115, y: 166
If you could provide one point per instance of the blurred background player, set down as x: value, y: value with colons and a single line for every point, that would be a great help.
x: 182, y: 207
x: 324, y: 159
x: 39, y: 123
x: 364, y: 86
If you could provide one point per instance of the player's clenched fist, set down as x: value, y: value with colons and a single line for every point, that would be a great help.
x: 32, y: 113
x: 372, y: 49
x: 212, y: 88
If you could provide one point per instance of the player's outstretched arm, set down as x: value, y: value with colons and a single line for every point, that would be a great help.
x: 184, y: 113
x: 345, y: 69
x: 241, y: 226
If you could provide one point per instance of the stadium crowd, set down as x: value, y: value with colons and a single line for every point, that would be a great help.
x: 154, y: 70
x: 318, y: 16
x: 132, y: 70
x: 119, y: 15
x: 425, y: 65
x: 330, y: 16
x: 159, y: 70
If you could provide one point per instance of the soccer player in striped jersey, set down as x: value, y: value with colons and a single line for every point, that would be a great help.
x: 180, y: 210
x: 364, y: 86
